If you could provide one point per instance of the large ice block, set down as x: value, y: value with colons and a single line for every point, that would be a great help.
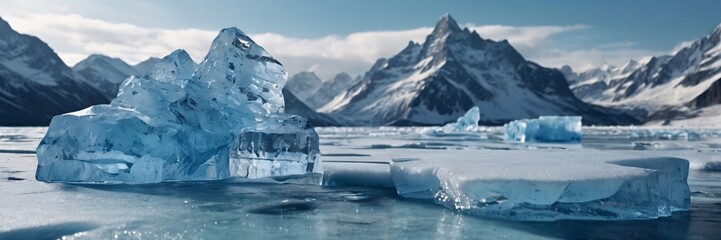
x: 547, y: 185
x: 544, y: 129
x: 280, y: 145
x: 175, y: 124
x: 466, y: 123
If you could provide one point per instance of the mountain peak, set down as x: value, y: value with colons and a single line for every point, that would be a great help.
x: 716, y: 32
x: 446, y: 25
x: 99, y: 59
x: 304, y: 76
x: 97, y: 56
x: 342, y: 75
x: 4, y: 25
x: 566, y: 69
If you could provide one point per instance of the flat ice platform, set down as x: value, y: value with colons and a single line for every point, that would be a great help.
x: 528, y: 185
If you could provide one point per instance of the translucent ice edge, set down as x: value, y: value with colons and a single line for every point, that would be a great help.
x: 547, y: 186
x: 179, y: 122
x: 544, y: 129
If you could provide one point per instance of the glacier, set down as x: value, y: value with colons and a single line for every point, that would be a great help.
x: 547, y: 185
x: 177, y: 123
x: 544, y: 129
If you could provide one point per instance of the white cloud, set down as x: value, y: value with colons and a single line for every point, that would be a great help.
x: 581, y: 60
x: 74, y: 37
x: 523, y: 37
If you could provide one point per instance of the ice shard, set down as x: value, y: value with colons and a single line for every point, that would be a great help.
x: 544, y: 129
x: 176, y: 124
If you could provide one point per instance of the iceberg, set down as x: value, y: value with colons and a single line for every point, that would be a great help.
x: 465, y: 127
x: 547, y: 185
x: 544, y: 129
x: 177, y: 123
x: 466, y: 123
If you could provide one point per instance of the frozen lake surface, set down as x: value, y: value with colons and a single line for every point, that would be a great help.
x: 236, y: 209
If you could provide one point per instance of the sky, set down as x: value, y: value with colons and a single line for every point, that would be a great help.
x: 329, y: 37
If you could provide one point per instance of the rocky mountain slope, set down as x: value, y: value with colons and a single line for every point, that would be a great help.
x: 455, y: 69
x: 666, y: 87
x: 35, y: 84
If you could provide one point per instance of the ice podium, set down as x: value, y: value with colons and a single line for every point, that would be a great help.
x: 220, y: 119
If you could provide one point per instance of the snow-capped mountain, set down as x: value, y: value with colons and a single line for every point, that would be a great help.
x: 304, y: 85
x: 35, y: 84
x: 453, y: 70
x: 590, y: 85
x: 105, y: 73
x: 331, y: 88
x: 665, y: 86
x: 144, y: 67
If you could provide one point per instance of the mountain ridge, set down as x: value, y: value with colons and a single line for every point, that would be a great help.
x: 35, y: 84
x: 453, y: 70
x: 666, y: 87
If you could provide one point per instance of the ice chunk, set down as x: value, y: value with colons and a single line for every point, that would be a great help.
x: 711, y: 166
x: 174, y: 124
x: 240, y: 74
x: 546, y: 185
x: 544, y: 129
x: 466, y: 123
x: 280, y: 145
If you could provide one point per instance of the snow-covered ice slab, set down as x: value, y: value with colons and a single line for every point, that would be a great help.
x: 547, y: 185
x: 176, y: 124
x: 544, y: 129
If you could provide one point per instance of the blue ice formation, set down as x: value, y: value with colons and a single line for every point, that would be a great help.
x: 466, y: 123
x: 280, y: 145
x: 177, y: 123
x: 547, y: 185
x: 544, y: 129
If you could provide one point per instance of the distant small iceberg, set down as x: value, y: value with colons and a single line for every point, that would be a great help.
x: 544, y: 129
